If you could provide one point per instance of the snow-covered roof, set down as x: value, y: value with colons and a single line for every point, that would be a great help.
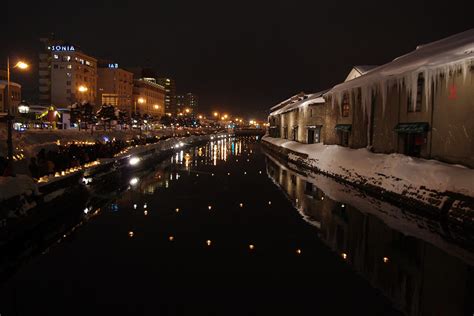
x: 358, y: 71
x: 3, y: 84
x: 307, y: 99
x: 287, y: 101
x: 441, y: 57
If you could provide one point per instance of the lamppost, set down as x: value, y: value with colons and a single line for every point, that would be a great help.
x: 21, y: 65
x: 82, y: 90
x: 141, y: 101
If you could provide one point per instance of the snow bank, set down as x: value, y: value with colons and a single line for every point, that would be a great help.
x: 395, y: 172
x: 14, y: 186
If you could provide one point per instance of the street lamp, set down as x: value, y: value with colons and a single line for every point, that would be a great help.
x: 23, y: 66
x: 82, y: 89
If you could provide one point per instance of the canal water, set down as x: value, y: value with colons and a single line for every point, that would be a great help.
x: 227, y: 229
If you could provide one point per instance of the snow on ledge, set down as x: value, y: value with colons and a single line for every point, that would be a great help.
x: 392, y: 172
x: 13, y: 186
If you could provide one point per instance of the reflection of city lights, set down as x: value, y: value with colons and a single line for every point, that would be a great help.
x: 134, y: 181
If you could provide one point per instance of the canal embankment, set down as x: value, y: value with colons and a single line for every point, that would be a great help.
x: 21, y: 194
x: 431, y: 187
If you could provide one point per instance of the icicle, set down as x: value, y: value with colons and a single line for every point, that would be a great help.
x: 383, y: 91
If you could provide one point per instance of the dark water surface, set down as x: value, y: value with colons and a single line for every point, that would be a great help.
x: 224, y: 229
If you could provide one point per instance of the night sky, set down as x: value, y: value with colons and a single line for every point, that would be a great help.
x: 239, y: 56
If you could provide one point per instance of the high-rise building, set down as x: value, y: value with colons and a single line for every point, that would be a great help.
x: 114, y: 86
x: 66, y: 74
x: 148, y: 97
x: 191, y: 101
x: 170, y: 94
x: 180, y: 103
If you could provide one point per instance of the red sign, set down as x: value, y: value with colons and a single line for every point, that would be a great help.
x: 453, y: 93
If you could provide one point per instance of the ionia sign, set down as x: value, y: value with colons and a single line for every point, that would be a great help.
x: 62, y: 48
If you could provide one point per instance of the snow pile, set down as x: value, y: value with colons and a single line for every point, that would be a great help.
x: 441, y: 58
x: 395, y: 172
x: 15, y: 186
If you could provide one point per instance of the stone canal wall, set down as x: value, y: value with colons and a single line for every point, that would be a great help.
x: 365, y: 171
x: 20, y: 194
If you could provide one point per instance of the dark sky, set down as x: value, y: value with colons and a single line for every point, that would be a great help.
x: 241, y: 56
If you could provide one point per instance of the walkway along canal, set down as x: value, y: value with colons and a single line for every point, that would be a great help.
x: 227, y: 229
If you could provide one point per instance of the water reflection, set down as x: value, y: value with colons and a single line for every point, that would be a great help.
x: 212, y: 153
x: 420, y: 265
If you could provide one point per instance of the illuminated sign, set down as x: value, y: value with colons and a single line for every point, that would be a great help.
x: 453, y: 92
x: 113, y: 65
x: 62, y: 48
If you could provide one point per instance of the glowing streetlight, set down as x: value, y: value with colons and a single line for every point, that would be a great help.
x: 200, y: 117
x: 82, y: 89
x: 141, y: 100
x: 216, y: 114
x: 21, y: 65
x: 187, y: 110
x: 156, y: 106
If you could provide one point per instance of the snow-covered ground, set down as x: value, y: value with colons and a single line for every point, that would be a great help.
x: 13, y: 186
x: 408, y: 176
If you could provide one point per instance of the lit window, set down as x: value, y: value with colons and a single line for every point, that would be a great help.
x: 345, y: 106
x: 69, y: 66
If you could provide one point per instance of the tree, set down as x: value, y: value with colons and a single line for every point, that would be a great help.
x: 107, y: 113
x: 122, y: 118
